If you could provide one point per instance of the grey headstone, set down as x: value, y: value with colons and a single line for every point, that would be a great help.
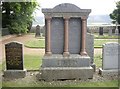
x: 110, y: 32
x: 110, y: 56
x: 37, y: 33
x: 57, y: 66
x: 100, y: 30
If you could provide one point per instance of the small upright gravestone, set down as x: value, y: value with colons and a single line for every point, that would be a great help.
x: 110, y: 32
x: 14, y: 60
x: 37, y: 33
x: 100, y: 30
x: 110, y: 59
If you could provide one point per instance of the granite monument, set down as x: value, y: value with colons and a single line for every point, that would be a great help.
x: 66, y: 55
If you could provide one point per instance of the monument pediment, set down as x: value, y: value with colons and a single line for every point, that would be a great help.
x: 70, y: 9
x: 66, y: 7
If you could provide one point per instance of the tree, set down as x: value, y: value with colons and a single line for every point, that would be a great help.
x: 17, y: 16
x: 115, y: 15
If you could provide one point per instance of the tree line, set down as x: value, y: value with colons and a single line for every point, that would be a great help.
x: 18, y: 16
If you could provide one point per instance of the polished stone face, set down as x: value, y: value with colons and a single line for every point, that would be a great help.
x: 75, y: 35
x: 14, y: 56
x: 57, y: 35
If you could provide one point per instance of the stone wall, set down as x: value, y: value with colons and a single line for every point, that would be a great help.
x: 5, y: 31
x: 95, y: 29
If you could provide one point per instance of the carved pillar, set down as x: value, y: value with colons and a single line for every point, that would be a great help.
x: 66, y: 38
x: 48, y: 43
x: 84, y: 27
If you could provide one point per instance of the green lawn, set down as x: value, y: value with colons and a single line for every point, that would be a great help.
x: 98, y: 60
x: 105, y: 36
x: 98, y: 43
x: 39, y: 43
x: 31, y: 62
x: 30, y: 83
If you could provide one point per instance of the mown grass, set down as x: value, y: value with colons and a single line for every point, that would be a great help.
x: 31, y: 62
x: 99, y: 43
x: 105, y: 36
x: 98, y: 60
x: 108, y: 83
x: 39, y: 43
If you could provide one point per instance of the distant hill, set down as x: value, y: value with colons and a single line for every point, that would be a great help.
x: 91, y: 20
x: 99, y: 19
x: 38, y: 21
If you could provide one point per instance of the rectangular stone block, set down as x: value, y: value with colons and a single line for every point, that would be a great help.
x: 74, y: 60
x: 55, y: 73
x: 90, y: 46
x: 15, y: 73
x: 108, y: 72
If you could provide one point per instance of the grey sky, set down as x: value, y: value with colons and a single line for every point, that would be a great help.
x: 99, y: 7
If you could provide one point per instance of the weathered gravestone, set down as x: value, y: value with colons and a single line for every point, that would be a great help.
x: 100, y: 30
x: 110, y: 32
x: 111, y: 59
x: 66, y: 55
x: 14, y: 60
x: 37, y: 33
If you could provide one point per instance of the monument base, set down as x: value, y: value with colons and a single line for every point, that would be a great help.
x: 58, y: 60
x: 57, y: 67
x: 59, y: 73
x: 104, y: 73
x: 15, y: 73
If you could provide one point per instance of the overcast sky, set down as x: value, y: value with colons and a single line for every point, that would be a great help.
x: 99, y: 7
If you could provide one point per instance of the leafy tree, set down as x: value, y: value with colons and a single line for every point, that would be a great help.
x: 115, y: 15
x: 17, y: 16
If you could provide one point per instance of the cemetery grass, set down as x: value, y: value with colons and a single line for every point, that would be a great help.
x: 105, y: 36
x: 40, y: 43
x: 99, y: 42
x: 33, y: 62
x: 68, y: 83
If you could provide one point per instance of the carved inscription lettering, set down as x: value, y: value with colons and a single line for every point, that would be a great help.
x: 14, y: 56
x: 67, y: 63
x: 111, y: 51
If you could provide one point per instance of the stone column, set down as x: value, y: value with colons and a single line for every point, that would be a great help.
x: 48, y: 43
x: 84, y: 27
x: 66, y: 38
